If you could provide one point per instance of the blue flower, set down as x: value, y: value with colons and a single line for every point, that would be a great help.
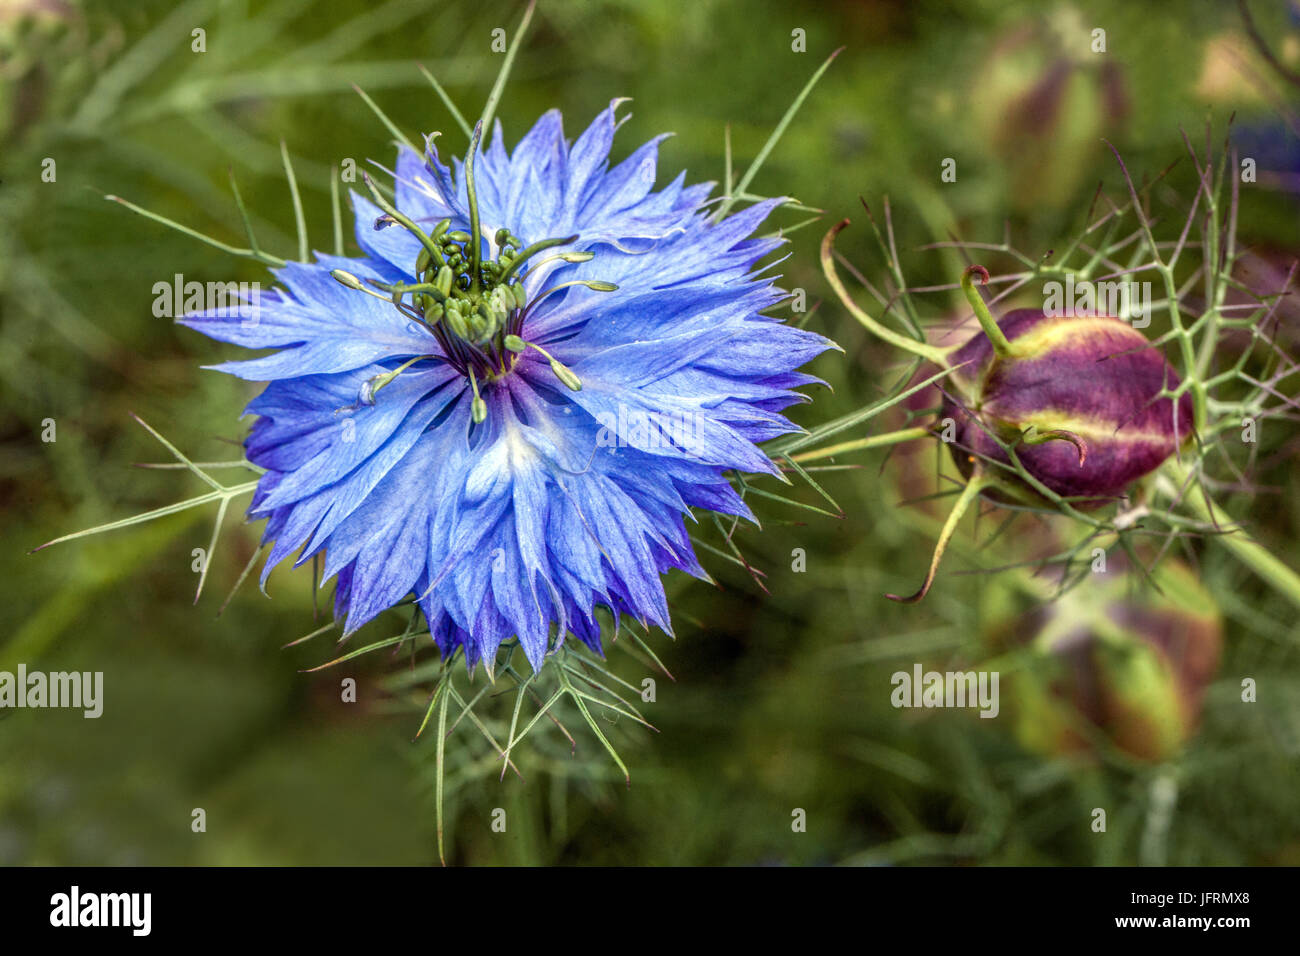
x: 516, y: 437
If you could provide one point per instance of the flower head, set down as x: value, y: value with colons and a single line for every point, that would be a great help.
x: 510, y: 401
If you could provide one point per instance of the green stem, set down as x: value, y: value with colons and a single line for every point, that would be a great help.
x: 928, y: 352
x: 441, y: 767
x: 1001, y: 347
x: 761, y: 158
x: 300, y: 223
x: 861, y: 444
x: 223, y: 493
x: 976, y: 484
x: 1236, y: 539
x: 258, y: 254
x: 490, y: 108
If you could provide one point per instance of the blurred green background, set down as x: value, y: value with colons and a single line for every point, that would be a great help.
x: 781, y: 699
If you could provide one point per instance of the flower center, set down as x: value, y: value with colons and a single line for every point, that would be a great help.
x: 474, y: 307
x: 471, y: 305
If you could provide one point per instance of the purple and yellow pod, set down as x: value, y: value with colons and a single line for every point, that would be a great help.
x: 1084, y: 400
x: 1084, y: 404
x: 1109, y: 664
x: 1038, y: 408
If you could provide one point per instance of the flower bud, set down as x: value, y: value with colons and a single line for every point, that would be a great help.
x: 1078, y: 397
x: 1110, y: 665
x: 1040, y: 103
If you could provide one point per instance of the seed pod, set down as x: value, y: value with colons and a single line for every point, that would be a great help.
x: 1041, y: 106
x: 1079, y: 397
x: 1107, y: 663
x: 1081, y: 401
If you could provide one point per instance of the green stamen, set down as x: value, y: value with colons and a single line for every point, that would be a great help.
x: 537, y: 247
x: 352, y: 282
x: 373, y: 385
x: 565, y: 374
x: 478, y: 408
x: 474, y: 309
x: 596, y: 285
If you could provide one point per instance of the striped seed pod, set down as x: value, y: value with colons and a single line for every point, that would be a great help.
x: 1084, y: 400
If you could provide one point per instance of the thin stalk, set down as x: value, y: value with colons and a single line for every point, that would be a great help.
x: 861, y: 444
x: 974, y: 486
x: 928, y: 352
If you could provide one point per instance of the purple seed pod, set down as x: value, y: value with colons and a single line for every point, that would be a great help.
x: 1083, y: 399
x: 1039, y: 407
x: 1108, y: 663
